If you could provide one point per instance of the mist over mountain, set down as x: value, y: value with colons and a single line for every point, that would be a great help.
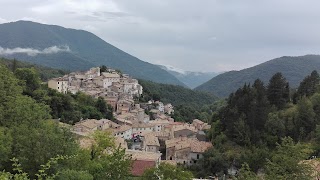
x: 189, y: 78
x: 294, y: 69
x: 71, y: 49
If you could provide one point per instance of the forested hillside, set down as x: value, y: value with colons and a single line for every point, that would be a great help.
x: 189, y: 104
x: 71, y: 49
x: 293, y: 68
x: 266, y: 132
x: 45, y: 73
x: 176, y: 95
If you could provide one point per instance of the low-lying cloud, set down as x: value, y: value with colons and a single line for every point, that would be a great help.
x: 34, y: 52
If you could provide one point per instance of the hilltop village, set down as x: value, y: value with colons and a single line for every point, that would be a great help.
x: 150, y: 138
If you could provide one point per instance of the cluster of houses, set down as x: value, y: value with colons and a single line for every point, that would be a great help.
x: 116, y: 88
x: 149, y: 138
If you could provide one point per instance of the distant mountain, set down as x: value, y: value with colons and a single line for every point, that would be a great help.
x: 293, y: 68
x: 72, y: 49
x: 189, y: 78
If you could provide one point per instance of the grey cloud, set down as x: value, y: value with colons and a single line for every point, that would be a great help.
x: 210, y: 35
x: 34, y: 52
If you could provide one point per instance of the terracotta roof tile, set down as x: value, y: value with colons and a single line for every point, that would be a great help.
x: 139, y: 166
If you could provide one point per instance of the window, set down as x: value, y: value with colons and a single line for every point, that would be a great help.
x: 58, y: 82
x: 58, y: 87
x: 198, y: 156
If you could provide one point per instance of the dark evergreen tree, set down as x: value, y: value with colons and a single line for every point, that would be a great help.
x: 262, y: 104
x: 278, y: 91
x: 308, y: 86
x: 103, y: 68
x: 14, y: 65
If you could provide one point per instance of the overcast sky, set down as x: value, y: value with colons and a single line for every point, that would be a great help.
x: 197, y: 35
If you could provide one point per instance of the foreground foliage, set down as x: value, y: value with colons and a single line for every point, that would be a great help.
x: 168, y: 172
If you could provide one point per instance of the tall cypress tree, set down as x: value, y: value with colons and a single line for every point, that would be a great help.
x: 262, y: 104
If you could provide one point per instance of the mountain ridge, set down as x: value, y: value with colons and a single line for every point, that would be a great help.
x: 85, y: 47
x: 294, y: 69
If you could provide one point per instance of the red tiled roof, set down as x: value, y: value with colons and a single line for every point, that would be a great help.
x: 139, y: 166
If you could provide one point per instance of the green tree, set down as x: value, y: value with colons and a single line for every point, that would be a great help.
x: 104, y: 108
x: 106, y: 160
x: 315, y: 99
x: 278, y: 91
x: 213, y: 163
x: 103, y: 68
x: 74, y: 175
x: 102, y: 141
x: 287, y: 161
x: 274, y: 128
x: 14, y: 65
x: 306, y: 117
x: 309, y: 85
x: 30, y: 78
x: 166, y: 171
x: 5, y: 146
x: 245, y: 173
x: 34, y: 146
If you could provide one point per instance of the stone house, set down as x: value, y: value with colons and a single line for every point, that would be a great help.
x: 124, y: 106
x: 200, y: 125
x: 184, y: 130
x: 139, y: 128
x: 88, y: 125
x: 124, y: 131
x: 109, y: 78
x: 186, y: 151
x: 111, y: 98
x: 151, y: 143
x: 93, y: 72
x: 59, y: 84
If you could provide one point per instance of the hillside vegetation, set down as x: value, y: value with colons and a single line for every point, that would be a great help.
x: 82, y: 50
x: 176, y: 95
x: 45, y: 73
x: 293, y: 68
x: 266, y: 132
x: 34, y: 147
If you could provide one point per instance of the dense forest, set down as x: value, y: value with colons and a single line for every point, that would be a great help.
x: 266, y: 131
x: 188, y: 104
